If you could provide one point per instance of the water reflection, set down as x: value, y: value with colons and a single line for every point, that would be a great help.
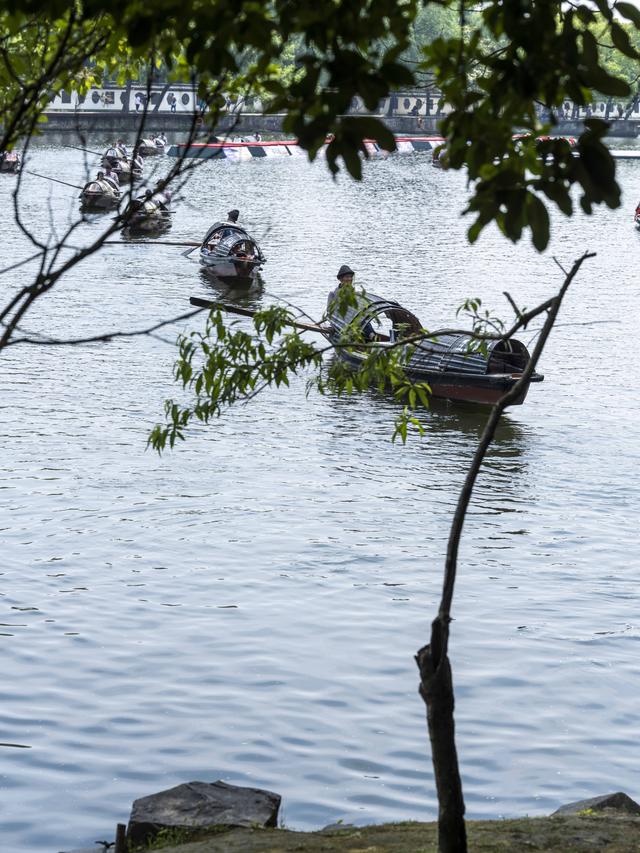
x: 442, y: 416
x: 296, y: 519
x: 245, y: 297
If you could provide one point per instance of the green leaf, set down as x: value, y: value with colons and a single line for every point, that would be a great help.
x: 630, y: 12
x: 538, y: 222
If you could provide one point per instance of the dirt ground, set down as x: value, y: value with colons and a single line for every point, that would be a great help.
x: 574, y: 834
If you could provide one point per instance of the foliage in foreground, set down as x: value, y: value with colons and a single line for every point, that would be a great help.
x: 503, y: 63
x: 228, y: 363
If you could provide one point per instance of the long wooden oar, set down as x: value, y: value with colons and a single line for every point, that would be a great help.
x: 247, y: 312
x: 155, y: 243
x: 57, y: 181
x: 87, y: 150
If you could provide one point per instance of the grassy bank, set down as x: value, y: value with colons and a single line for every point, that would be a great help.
x: 575, y: 834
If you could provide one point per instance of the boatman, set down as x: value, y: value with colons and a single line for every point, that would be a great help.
x: 232, y: 216
x: 112, y: 177
x: 345, y: 277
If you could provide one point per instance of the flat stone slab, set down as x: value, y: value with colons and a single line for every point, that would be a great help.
x: 199, y: 806
x: 618, y: 802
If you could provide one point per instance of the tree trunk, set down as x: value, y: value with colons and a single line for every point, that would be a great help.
x: 436, y: 688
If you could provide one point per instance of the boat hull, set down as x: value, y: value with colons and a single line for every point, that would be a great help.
x: 233, y: 272
x: 148, y: 225
x: 98, y: 202
x: 485, y: 389
x: 150, y: 150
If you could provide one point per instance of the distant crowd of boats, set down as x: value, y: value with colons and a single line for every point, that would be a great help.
x: 447, y: 361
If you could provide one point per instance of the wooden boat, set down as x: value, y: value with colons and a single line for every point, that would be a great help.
x: 452, y: 370
x: 127, y: 169
x: 149, y: 214
x: 10, y: 162
x: 99, y: 195
x: 151, y: 146
x: 229, y: 254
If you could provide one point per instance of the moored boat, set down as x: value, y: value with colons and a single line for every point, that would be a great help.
x: 99, y: 195
x: 126, y: 168
x: 151, y: 146
x: 10, y: 162
x: 230, y: 254
x: 446, y: 361
x: 149, y: 214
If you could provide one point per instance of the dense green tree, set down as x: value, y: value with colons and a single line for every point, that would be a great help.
x: 495, y: 70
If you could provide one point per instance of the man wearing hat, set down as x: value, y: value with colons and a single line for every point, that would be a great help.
x: 345, y: 277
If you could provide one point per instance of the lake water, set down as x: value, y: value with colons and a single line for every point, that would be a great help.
x: 247, y: 607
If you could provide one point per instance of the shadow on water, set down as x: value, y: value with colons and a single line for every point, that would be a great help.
x: 442, y: 416
x: 452, y: 433
x: 246, y: 297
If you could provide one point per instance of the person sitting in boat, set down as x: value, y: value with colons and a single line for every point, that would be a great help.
x: 163, y: 197
x: 112, y: 177
x: 121, y: 147
x: 99, y: 177
x: 345, y: 276
x: 232, y: 216
x: 213, y: 240
x: 161, y: 140
x: 136, y: 160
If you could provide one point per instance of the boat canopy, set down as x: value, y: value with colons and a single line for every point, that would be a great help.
x: 226, y: 228
x: 101, y: 186
x: 237, y: 244
x: 444, y: 352
x: 114, y: 154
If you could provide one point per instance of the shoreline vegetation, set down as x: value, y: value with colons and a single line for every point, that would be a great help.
x: 580, y: 833
x: 202, y: 817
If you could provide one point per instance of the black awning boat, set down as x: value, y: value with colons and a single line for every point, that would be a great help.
x: 230, y: 254
x: 128, y: 169
x: 449, y: 363
x: 99, y: 195
x: 10, y: 162
x: 148, y: 214
x: 151, y: 146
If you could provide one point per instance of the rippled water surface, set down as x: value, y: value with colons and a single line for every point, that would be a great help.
x: 247, y: 606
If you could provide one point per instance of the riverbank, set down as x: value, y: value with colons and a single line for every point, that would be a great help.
x: 573, y: 834
x: 112, y: 122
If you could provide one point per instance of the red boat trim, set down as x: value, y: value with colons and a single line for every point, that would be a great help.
x: 294, y: 142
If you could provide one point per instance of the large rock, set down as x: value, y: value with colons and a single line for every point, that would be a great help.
x: 201, y: 805
x: 618, y: 802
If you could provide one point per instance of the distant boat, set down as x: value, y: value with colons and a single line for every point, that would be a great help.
x: 444, y: 361
x: 636, y: 217
x: 149, y: 214
x: 150, y: 147
x: 99, y: 195
x: 127, y: 169
x: 10, y: 162
x: 230, y: 254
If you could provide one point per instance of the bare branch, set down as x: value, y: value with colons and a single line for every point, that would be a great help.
x: 43, y: 340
